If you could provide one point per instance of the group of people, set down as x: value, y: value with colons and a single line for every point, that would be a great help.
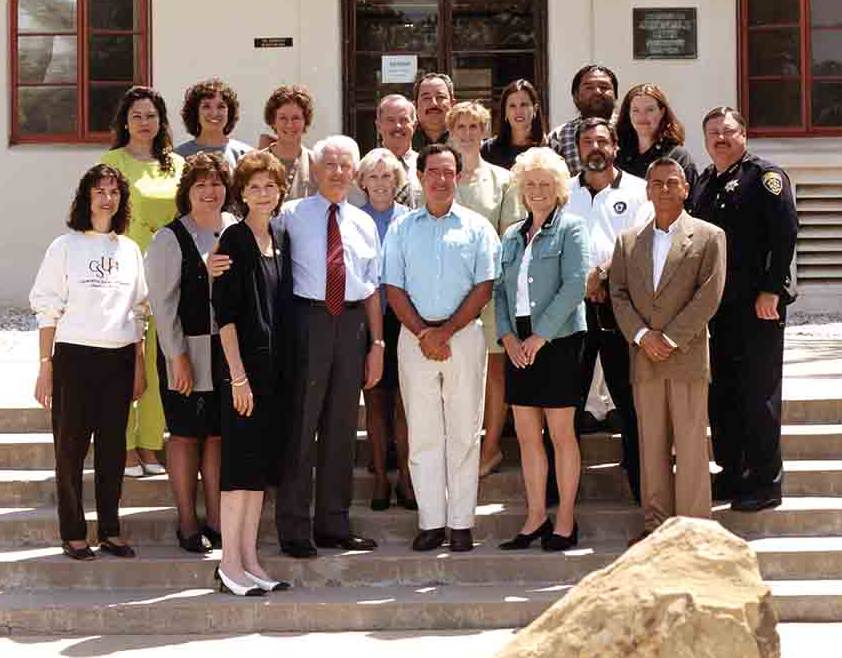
x: 448, y: 274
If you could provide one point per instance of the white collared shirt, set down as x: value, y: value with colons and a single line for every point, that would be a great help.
x: 522, y: 306
x: 661, y: 243
x: 305, y: 220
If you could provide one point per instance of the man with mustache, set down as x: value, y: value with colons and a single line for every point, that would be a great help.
x: 751, y: 199
x: 611, y: 201
x: 395, y: 122
x: 594, y: 91
x: 439, y: 264
x: 433, y: 98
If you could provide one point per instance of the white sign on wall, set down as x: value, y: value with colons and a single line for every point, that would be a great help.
x: 398, y: 69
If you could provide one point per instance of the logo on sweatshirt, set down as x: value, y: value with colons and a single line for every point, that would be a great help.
x: 104, y: 266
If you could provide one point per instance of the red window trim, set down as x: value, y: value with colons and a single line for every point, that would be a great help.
x: 806, y: 77
x: 82, y: 82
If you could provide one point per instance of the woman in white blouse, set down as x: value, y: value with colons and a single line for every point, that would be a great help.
x: 90, y: 300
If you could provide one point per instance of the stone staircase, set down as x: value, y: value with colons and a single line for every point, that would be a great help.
x: 167, y: 591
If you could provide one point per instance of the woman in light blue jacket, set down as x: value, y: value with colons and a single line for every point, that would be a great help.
x: 540, y: 317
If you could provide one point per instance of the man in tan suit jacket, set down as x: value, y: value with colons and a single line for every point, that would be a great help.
x: 666, y: 282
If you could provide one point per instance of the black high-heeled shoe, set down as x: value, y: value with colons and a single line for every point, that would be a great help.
x: 522, y: 541
x: 195, y: 543
x: 380, y: 504
x: 555, y: 542
x: 213, y: 536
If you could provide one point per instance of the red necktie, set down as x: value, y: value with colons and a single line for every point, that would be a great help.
x: 335, y: 276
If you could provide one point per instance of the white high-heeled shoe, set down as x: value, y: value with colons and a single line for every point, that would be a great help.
x: 153, y: 469
x: 135, y: 471
x: 268, y: 585
x: 233, y: 587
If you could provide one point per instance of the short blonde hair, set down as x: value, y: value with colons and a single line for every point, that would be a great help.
x: 474, y: 109
x: 542, y: 158
x: 375, y: 157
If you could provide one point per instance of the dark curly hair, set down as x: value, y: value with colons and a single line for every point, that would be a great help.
x: 285, y: 94
x: 248, y: 166
x: 194, y: 96
x: 538, y: 129
x: 80, y: 209
x: 162, y: 144
x: 197, y: 167
x: 670, y: 130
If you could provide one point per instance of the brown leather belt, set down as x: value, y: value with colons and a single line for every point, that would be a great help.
x: 434, y: 323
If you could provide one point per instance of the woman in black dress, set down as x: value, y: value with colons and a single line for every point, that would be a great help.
x: 648, y: 129
x: 251, y: 300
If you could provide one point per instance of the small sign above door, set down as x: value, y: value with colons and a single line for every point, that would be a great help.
x: 273, y: 42
x: 398, y: 69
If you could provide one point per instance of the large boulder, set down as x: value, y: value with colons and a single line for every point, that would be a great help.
x: 690, y: 590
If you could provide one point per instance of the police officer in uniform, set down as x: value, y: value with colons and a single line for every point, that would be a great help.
x: 751, y: 199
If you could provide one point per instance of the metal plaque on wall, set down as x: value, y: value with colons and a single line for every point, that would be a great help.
x: 665, y: 33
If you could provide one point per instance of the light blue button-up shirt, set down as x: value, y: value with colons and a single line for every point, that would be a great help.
x: 305, y: 221
x: 438, y: 261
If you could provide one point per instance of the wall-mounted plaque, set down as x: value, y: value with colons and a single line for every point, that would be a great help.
x: 273, y: 42
x: 665, y: 32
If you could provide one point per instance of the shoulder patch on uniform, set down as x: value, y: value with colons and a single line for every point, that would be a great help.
x: 773, y: 182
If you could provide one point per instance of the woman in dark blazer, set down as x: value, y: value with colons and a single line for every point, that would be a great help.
x: 251, y: 300
x: 541, y: 324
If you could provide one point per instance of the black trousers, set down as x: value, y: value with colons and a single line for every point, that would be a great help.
x: 325, y: 395
x: 92, y: 391
x: 603, y: 338
x: 746, y: 359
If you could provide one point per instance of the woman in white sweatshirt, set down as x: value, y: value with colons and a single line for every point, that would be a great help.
x: 90, y: 300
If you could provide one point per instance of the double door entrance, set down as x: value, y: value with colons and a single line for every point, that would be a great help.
x: 481, y: 44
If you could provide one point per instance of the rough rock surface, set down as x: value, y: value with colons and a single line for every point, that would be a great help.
x: 690, y: 590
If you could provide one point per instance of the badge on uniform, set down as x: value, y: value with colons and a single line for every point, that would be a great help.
x: 732, y: 185
x: 620, y: 207
x: 773, y: 182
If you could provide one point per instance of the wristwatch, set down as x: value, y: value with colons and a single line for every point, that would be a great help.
x: 601, y: 273
x: 379, y: 343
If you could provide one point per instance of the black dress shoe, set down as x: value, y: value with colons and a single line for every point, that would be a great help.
x: 195, y: 543
x: 522, y: 541
x: 118, y: 550
x: 299, y: 548
x: 213, y: 536
x: 765, y: 498
x: 84, y: 553
x: 427, y: 540
x: 724, y: 488
x: 349, y: 543
x: 555, y: 542
x: 461, y: 540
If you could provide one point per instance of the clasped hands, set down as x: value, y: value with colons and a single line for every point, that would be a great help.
x: 522, y: 353
x: 435, y: 343
x: 656, y: 346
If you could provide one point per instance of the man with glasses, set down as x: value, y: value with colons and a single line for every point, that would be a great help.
x: 611, y: 201
x: 751, y: 199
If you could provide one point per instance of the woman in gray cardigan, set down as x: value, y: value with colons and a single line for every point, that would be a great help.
x: 540, y: 317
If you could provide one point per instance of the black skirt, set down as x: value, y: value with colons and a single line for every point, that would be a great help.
x: 196, y: 415
x: 391, y: 331
x: 554, y: 380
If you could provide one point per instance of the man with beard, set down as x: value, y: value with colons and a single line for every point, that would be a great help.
x: 433, y: 98
x: 594, y: 91
x: 611, y: 201
x: 395, y: 123
x: 751, y: 199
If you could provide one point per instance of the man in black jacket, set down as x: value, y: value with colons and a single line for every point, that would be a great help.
x: 751, y: 199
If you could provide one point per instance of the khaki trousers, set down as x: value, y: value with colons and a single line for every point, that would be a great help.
x: 673, y: 414
x: 444, y: 406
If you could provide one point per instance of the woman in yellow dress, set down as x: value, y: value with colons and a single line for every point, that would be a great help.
x: 142, y: 151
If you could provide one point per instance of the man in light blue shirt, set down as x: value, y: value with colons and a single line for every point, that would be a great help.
x: 338, y: 342
x: 439, y: 265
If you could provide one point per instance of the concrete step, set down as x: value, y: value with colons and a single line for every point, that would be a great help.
x: 35, y: 488
x: 201, y: 610
x: 805, y: 558
x: 34, y: 450
x: 598, y: 522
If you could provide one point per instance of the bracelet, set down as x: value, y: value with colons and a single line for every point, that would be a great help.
x: 46, y: 359
x: 240, y: 381
x: 379, y: 342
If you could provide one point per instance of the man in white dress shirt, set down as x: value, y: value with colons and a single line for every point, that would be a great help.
x: 611, y: 201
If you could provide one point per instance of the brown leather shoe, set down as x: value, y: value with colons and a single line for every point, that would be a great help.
x: 427, y: 540
x: 461, y: 540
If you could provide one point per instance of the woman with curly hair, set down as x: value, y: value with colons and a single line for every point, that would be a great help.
x: 189, y: 351
x: 90, y: 300
x: 210, y: 113
x: 142, y: 151
x: 648, y: 129
x: 289, y: 112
